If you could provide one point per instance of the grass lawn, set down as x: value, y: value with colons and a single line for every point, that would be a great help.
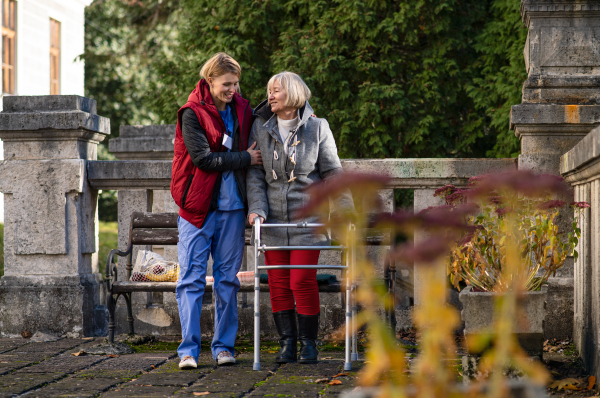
x: 1, y: 249
x: 108, y: 241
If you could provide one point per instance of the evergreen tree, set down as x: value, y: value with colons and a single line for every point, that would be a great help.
x: 122, y: 40
x: 412, y: 78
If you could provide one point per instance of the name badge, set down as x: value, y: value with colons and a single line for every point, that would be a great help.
x: 227, y: 141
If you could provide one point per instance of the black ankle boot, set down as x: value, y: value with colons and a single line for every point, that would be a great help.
x: 285, y: 321
x: 308, y: 328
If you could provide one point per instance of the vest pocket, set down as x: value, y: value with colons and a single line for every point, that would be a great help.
x: 185, y: 192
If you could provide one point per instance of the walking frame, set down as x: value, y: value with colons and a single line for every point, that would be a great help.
x: 351, y: 353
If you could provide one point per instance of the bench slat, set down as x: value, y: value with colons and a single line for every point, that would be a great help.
x: 126, y: 287
x: 154, y: 220
x: 156, y: 236
x: 151, y: 228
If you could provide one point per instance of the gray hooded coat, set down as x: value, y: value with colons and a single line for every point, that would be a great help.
x: 276, y: 189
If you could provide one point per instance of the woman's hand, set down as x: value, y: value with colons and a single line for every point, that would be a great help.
x: 253, y: 216
x: 255, y: 156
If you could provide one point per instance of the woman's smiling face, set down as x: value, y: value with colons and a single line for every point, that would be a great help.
x: 223, y: 87
x: 277, y: 97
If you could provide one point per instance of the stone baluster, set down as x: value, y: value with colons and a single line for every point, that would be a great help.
x: 51, y: 282
x: 560, y: 106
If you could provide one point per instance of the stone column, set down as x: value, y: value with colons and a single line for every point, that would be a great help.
x: 560, y: 106
x: 51, y: 282
x: 423, y: 199
x: 154, y: 313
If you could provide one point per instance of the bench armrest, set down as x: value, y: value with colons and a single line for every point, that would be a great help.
x: 112, y: 266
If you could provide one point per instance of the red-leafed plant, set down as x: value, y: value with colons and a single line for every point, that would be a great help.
x: 526, y: 201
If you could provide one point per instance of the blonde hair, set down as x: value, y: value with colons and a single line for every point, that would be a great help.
x: 219, y: 65
x: 297, y: 91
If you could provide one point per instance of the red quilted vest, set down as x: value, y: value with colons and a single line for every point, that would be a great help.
x: 191, y: 187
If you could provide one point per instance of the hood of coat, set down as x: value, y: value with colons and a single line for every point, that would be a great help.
x: 263, y: 110
x: 201, y: 96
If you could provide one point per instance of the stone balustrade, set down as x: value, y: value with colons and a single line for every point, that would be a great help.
x: 421, y: 175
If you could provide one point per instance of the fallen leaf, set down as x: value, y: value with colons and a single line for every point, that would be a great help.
x: 26, y: 334
x: 335, y: 382
x: 566, y: 384
x: 591, y: 382
x: 325, y: 380
x: 88, y: 338
x: 112, y: 356
x: 201, y: 393
x: 341, y: 374
x: 272, y: 352
x: 153, y: 367
x: 78, y: 353
x: 327, y: 358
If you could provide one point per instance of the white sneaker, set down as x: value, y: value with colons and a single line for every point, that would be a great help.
x: 188, y: 363
x: 225, y: 358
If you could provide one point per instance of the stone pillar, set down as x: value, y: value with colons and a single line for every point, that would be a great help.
x: 423, y: 199
x: 560, y: 105
x: 154, y: 313
x: 51, y: 282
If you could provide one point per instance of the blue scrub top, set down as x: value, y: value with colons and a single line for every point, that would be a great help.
x: 229, y: 196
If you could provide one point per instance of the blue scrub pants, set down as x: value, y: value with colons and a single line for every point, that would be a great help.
x: 221, y: 236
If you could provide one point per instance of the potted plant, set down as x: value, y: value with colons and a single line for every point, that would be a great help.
x: 516, y: 216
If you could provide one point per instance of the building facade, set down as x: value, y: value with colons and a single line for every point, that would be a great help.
x: 41, y: 43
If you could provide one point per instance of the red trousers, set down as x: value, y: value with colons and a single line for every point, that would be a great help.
x: 286, y: 285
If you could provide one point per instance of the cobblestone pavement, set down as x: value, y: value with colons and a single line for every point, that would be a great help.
x: 29, y: 369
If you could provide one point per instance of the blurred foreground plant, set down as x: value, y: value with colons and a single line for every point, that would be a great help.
x: 433, y: 373
x: 524, y: 199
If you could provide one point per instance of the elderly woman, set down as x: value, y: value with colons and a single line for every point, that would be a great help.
x: 297, y: 150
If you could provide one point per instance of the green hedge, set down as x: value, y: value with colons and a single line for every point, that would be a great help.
x: 108, y: 236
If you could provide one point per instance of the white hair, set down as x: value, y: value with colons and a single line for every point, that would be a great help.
x: 297, y: 91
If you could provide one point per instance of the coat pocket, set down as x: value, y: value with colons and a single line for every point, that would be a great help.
x: 187, y: 189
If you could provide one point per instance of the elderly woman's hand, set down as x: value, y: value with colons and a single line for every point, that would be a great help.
x: 255, y: 156
x: 253, y: 216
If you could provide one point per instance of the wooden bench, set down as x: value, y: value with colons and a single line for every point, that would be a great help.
x: 156, y: 229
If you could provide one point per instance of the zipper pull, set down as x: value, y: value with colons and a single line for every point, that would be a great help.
x: 275, y: 155
x: 274, y: 175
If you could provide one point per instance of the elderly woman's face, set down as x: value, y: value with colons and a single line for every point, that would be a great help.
x: 277, y: 98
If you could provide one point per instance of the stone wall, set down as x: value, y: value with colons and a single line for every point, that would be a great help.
x: 559, y: 107
x: 581, y: 167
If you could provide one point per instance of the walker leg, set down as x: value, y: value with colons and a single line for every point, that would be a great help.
x: 347, y: 363
x: 256, y: 323
x: 256, y: 365
x: 354, y: 356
